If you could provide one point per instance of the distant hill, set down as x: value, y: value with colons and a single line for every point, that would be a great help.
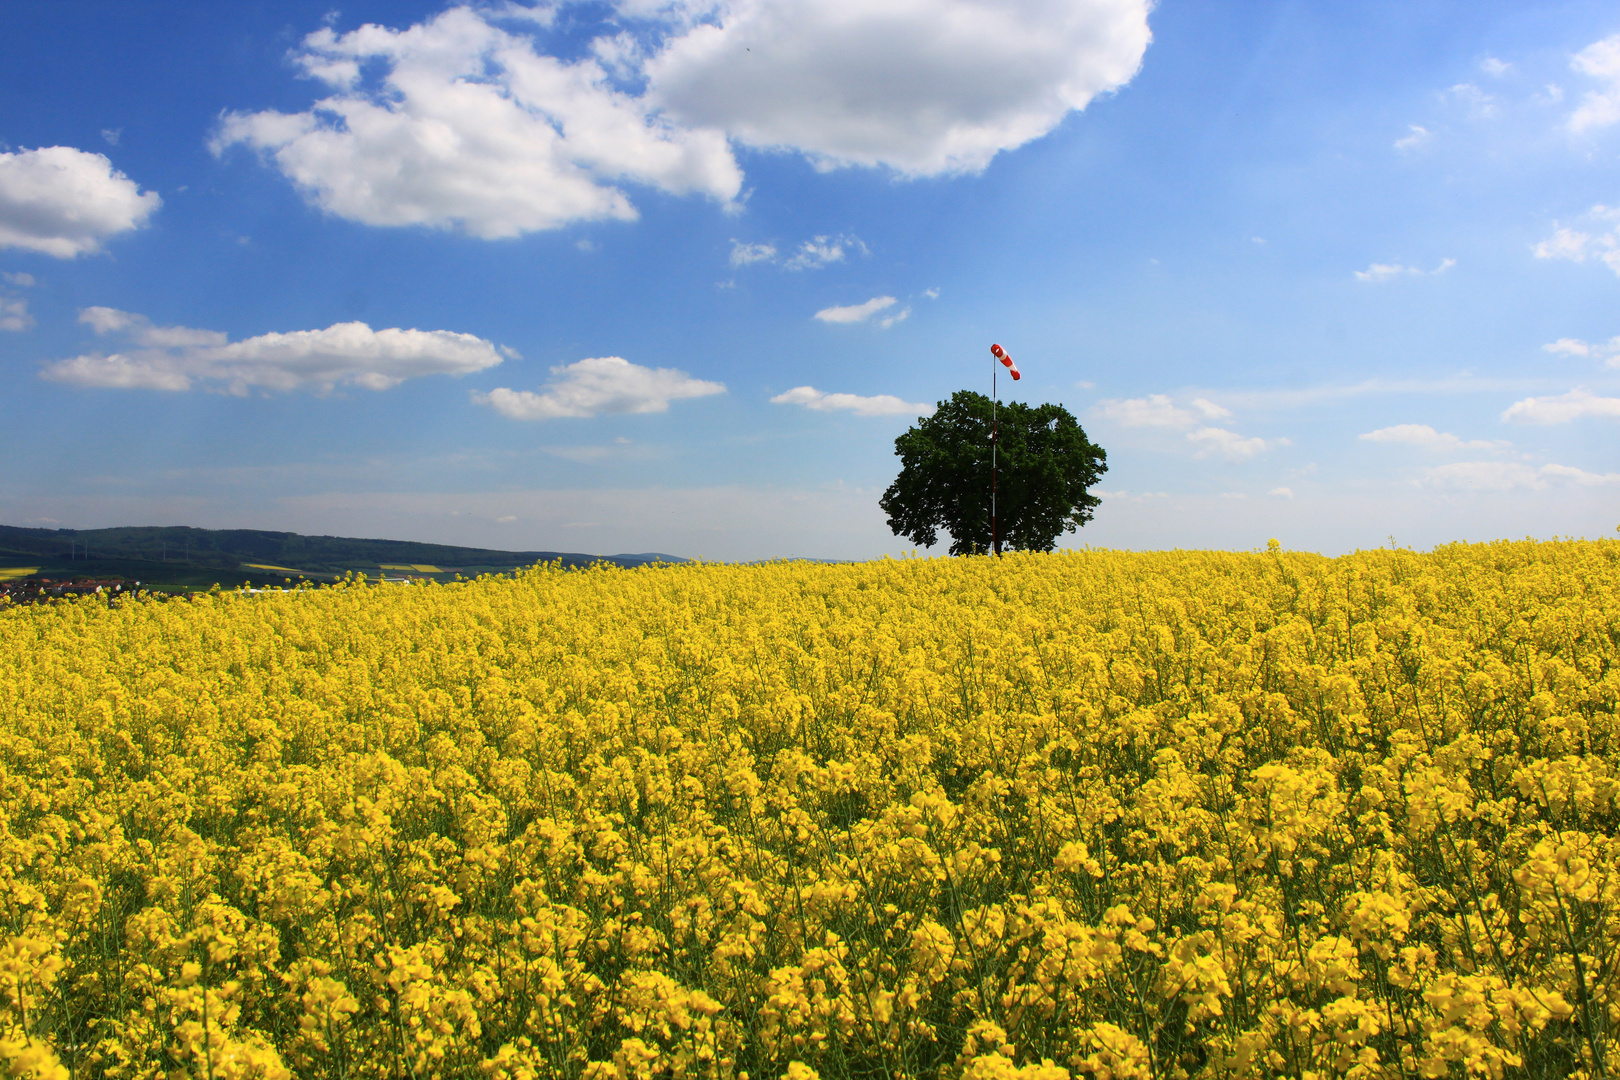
x: 186, y: 558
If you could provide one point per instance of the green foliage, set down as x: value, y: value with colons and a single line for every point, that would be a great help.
x: 1045, y: 464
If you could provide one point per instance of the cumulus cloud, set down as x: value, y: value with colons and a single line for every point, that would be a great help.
x: 463, y: 121
x: 1507, y: 475
x: 876, y: 405
x: 345, y: 354
x: 602, y: 384
x: 1601, y: 244
x: 1282, y: 492
x: 855, y: 313
x: 25, y: 281
x: 1575, y: 405
x: 1607, y: 351
x: 65, y: 202
x: 472, y: 128
x: 1492, y: 66
x: 1427, y: 437
x: 14, y: 314
x: 1601, y: 107
x: 1386, y: 271
x: 922, y: 86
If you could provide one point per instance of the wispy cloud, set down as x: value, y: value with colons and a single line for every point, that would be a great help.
x: 597, y: 385
x: 855, y: 313
x: 1575, y: 405
x: 1207, y: 440
x: 1158, y: 410
x: 1416, y: 136
x: 1219, y: 442
x: 1386, y: 271
x: 747, y: 254
x: 1602, y: 243
x: 14, y: 314
x: 1508, y: 475
x: 1607, y: 351
x: 875, y: 405
x: 1601, y: 107
x: 1478, y: 103
x: 822, y: 251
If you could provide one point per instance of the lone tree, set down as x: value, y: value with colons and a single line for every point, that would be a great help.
x: 1045, y: 463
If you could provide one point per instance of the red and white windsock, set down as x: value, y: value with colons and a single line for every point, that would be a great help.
x: 1001, y: 354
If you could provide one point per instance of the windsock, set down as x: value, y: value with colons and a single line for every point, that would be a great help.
x: 1001, y: 354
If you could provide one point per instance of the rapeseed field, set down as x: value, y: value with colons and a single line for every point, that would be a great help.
x: 1098, y: 814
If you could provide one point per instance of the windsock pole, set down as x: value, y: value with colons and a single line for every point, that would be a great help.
x: 1000, y: 355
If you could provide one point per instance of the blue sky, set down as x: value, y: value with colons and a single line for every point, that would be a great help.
x: 531, y: 277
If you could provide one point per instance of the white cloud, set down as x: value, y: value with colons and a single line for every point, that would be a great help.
x: 812, y: 254
x: 346, y: 354
x: 819, y: 251
x: 1478, y: 102
x: 1607, y: 351
x: 139, y: 329
x: 1385, y: 271
x: 25, y: 281
x: 1415, y: 137
x: 1155, y: 410
x: 898, y: 317
x: 747, y: 254
x: 1282, y: 492
x: 1507, y: 475
x: 922, y: 86
x: 14, y: 314
x: 458, y: 122
x: 1599, y: 108
x: 876, y: 405
x: 472, y: 128
x: 1210, y: 410
x: 1492, y: 66
x: 1577, y: 246
x: 932, y: 294
x: 601, y: 384
x: 1214, y: 441
x: 1427, y: 437
x: 855, y: 313
x: 1562, y: 409
x: 65, y: 202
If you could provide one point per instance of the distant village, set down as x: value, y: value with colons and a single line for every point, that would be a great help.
x: 32, y: 590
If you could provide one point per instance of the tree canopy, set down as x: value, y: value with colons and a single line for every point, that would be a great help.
x: 1045, y: 464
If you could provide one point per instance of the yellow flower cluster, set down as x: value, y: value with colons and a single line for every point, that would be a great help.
x: 1096, y: 814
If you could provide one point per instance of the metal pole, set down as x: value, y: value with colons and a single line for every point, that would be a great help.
x: 995, y: 544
